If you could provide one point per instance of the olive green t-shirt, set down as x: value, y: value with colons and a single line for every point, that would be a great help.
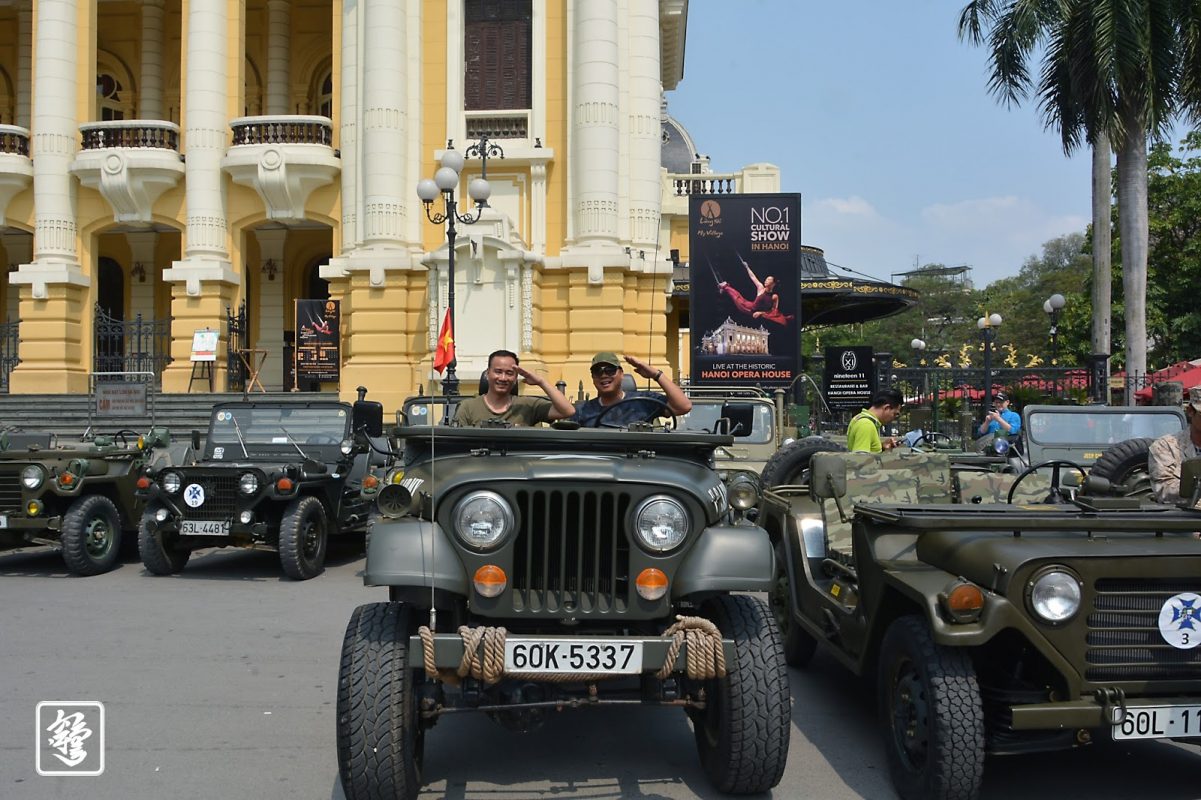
x: 522, y: 411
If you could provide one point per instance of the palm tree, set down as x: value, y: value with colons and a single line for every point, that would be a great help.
x: 1110, y: 68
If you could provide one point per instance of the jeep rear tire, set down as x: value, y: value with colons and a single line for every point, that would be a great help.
x: 931, y: 715
x: 380, y: 738
x: 789, y: 466
x: 742, y: 734
x: 303, y: 538
x: 91, y: 535
x: 160, y: 551
x: 1125, y: 465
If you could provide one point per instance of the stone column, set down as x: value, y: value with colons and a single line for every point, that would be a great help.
x: 271, y: 312
x: 204, y: 281
x: 348, y: 128
x: 54, y: 293
x: 278, y: 43
x: 386, y: 185
x: 644, y: 128
x: 594, y: 123
x: 18, y: 246
x: 150, y: 96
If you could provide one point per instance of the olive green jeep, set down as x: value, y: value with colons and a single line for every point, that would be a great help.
x: 996, y: 616
x: 77, y: 494
x: 534, y: 570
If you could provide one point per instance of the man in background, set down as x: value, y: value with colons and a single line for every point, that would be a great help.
x: 863, y: 434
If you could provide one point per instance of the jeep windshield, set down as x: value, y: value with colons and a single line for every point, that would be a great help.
x: 704, y: 416
x: 276, y: 430
x: 1102, y: 428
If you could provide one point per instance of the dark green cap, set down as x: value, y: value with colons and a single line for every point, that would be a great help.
x: 606, y: 358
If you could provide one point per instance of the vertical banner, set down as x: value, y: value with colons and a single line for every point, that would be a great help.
x: 850, y: 378
x: 318, y: 343
x: 744, y: 265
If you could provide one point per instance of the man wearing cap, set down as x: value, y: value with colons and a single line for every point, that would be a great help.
x: 1168, y: 452
x: 501, y: 402
x: 1000, y: 418
x: 606, y: 377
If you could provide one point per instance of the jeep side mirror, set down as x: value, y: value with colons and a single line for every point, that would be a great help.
x: 195, y: 441
x: 368, y: 416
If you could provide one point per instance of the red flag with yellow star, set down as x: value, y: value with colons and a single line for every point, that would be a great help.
x: 446, y: 345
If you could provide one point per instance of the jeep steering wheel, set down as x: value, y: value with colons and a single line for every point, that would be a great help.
x: 931, y: 438
x: 1054, y: 465
x: 119, y: 436
x: 660, y: 409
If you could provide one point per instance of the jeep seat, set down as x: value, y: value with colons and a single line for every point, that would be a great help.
x: 840, y: 480
x: 993, y: 487
x: 933, y: 471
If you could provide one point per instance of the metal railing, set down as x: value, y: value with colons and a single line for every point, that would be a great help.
x: 238, y: 333
x: 135, y: 133
x: 138, y: 346
x: 14, y: 140
x: 10, y: 346
x: 296, y: 129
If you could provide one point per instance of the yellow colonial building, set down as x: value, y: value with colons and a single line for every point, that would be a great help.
x: 174, y: 165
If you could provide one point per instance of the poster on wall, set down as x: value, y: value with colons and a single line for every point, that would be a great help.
x: 744, y: 266
x: 850, y: 377
x: 318, y: 342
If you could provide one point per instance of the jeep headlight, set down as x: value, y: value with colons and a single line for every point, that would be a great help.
x: 346, y: 446
x: 482, y: 519
x: 743, y: 489
x: 32, y: 476
x: 248, y: 483
x: 1055, y: 595
x: 172, y: 481
x: 661, y: 523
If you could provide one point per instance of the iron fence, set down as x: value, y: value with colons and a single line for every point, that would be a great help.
x: 239, y: 339
x: 10, y: 344
x: 130, y: 346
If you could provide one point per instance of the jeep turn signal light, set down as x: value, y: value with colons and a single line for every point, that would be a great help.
x: 963, y: 601
x: 651, y: 584
x: 490, y: 580
x: 143, y: 482
x: 370, y: 482
x: 66, y: 479
x: 33, y: 508
x: 284, y: 484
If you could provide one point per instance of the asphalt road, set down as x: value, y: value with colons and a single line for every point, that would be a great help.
x: 221, y: 683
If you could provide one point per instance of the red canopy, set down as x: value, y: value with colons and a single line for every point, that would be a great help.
x: 1187, y: 373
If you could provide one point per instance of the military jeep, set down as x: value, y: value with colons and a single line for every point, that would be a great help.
x: 534, y: 570
x: 276, y: 475
x: 995, y: 617
x: 78, y: 494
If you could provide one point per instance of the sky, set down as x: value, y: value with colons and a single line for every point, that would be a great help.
x: 880, y: 117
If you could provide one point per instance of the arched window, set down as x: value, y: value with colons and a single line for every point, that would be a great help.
x: 109, y: 100
x: 325, y: 97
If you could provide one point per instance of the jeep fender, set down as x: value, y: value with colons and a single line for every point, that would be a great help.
x: 727, y: 558
x: 408, y: 552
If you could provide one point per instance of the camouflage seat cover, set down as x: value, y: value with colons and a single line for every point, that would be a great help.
x: 898, y: 486
x: 933, y: 471
x: 993, y: 487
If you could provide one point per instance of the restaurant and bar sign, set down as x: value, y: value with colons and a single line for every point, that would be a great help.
x: 850, y: 377
x: 318, y: 344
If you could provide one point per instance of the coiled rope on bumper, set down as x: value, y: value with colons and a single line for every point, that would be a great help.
x: 706, y: 656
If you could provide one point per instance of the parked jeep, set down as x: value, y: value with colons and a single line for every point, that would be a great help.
x: 276, y: 475
x: 533, y: 570
x: 994, y: 619
x: 749, y: 414
x: 77, y: 494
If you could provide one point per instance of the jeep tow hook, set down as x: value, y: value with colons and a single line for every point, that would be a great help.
x: 1113, y: 704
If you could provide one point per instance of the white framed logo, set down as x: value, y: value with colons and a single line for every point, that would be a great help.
x: 70, y: 737
x: 1180, y: 620
x: 193, y: 495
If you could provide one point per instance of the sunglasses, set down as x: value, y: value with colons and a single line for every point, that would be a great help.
x: 607, y: 370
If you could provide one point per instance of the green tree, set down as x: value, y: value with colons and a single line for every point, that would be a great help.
x: 1116, y: 68
x: 1174, y: 260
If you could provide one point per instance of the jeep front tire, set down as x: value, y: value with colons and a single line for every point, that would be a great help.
x: 91, y: 535
x: 303, y: 537
x: 380, y: 738
x: 160, y: 551
x: 742, y: 734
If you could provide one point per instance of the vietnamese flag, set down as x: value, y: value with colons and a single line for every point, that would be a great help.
x: 446, y: 345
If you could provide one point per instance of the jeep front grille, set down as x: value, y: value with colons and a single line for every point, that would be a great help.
x: 1124, y: 642
x: 571, y: 554
x: 10, y: 487
x: 220, y: 496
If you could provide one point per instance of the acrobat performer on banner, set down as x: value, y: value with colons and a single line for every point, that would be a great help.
x: 766, y: 304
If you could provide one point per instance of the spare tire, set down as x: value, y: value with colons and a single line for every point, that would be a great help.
x: 1125, y: 467
x: 789, y: 466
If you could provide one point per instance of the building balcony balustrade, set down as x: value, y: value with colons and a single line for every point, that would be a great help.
x: 283, y: 158
x: 704, y: 183
x: 499, y: 124
x: 131, y: 163
x: 16, y: 168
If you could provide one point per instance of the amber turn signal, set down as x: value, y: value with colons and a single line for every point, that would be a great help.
x: 962, y: 601
x: 651, y: 584
x: 143, y: 482
x: 370, y: 482
x: 284, y: 484
x: 66, y: 479
x: 490, y: 580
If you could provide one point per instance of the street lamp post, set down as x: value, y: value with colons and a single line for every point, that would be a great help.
x: 919, y: 346
x: 445, y: 182
x: 988, y: 325
x: 1053, y: 305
